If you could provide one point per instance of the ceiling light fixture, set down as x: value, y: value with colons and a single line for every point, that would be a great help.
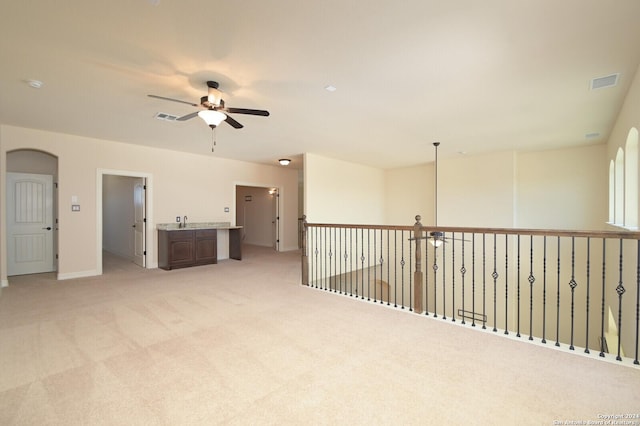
x: 212, y: 117
x: 36, y: 84
x: 284, y: 161
x: 330, y: 88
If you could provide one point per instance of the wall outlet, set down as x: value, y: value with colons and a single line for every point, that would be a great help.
x: 226, y: 209
x: 178, y: 219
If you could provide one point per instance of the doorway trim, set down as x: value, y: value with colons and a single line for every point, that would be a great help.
x: 149, y: 214
x: 279, y: 202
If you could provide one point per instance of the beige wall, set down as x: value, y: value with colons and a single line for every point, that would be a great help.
x: 562, y: 189
x: 199, y: 186
x: 555, y: 189
x: 337, y: 191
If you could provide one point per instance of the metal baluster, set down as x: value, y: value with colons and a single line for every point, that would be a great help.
x: 317, y: 252
x: 586, y: 335
x: 382, y: 267
x: 620, y: 290
x: 426, y: 277
x: 388, y: 268
x: 356, y: 262
x: 410, y: 276
x: 444, y: 289
x: 484, y: 282
x: 473, y: 280
x: 506, y: 284
x: 495, y: 281
x: 402, y: 265
x: 544, y: 290
x: 558, y: 299
x: 395, y: 268
x: 518, y: 288
x: 531, y: 281
x: 435, y: 281
x: 349, y: 258
x: 329, y: 264
x: 604, y: 264
x: 463, y: 271
x: 368, y: 264
x: 573, y: 284
x: 453, y: 277
x: 375, y: 269
x: 362, y: 258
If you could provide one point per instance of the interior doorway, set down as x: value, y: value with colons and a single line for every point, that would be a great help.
x: 124, y: 217
x: 258, y: 212
x: 31, y: 212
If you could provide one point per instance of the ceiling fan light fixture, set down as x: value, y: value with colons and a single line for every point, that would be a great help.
x: 284, y: 161
x: 212, y: 117
x: 437, y: 238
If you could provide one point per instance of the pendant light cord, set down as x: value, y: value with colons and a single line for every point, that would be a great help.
x: 436, y: 184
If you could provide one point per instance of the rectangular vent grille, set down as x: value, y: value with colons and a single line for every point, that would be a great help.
x: 166, y: 117
x: 606, y: 81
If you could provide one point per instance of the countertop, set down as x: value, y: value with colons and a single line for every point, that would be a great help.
x: 195, y: 225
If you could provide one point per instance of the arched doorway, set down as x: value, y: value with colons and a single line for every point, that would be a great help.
x: 31, y: 212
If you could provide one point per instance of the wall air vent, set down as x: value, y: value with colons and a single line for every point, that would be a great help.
x: 606, y: 81
x: 165, y: 116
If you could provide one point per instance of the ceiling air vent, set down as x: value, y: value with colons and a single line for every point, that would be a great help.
x: 606, y: 81
x: 166, y: 117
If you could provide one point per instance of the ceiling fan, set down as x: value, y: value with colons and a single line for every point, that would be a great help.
x: 215, y: 111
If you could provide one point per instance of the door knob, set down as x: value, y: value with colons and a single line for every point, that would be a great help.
x: 48, y: 228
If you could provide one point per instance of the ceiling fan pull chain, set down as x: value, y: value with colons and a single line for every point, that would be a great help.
x: 213, y: 139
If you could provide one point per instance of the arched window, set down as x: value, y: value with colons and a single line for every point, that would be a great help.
x: 612, y: 192
x: 631, y: 180
x: 619, y: 188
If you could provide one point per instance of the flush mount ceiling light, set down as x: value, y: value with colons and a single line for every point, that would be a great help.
x: 36, y: 84
x: 330, y: 88
x: 212, y: 117
x: 284, y: 161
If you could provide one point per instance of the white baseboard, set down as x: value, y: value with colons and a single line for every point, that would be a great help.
x: 80, y: 274
x: 4, y: 283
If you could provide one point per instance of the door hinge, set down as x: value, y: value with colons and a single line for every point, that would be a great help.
x: 144, y: 187
x: 55, y: 184
x: 56, y: 256
x: 144, y: 220
x: 144, y: 253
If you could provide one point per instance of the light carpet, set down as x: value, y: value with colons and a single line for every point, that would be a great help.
x: 244, y: 343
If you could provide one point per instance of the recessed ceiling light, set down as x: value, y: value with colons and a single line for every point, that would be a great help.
x: 330, y: 88
x: 592, y: 135
x: 36, y: 84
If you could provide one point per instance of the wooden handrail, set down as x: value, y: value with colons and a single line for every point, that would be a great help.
x: 631, y: 235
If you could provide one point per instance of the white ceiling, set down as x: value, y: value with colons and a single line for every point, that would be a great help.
x: 478, y: 76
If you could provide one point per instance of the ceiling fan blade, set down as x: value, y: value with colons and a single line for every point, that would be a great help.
x: 233, y: 123
x: 173, y: 100
x: 248, y: 111
x: 187, y: 117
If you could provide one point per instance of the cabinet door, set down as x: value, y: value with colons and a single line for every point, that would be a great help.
x: 181, y: 249
x: 206, y: 247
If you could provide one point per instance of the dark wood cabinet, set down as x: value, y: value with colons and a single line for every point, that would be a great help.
x: 184, y: 248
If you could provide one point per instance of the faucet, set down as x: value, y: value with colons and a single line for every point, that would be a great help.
x: 184, y: 222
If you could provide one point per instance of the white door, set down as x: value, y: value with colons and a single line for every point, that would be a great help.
x: 29, y: 223
x: 139, y: 222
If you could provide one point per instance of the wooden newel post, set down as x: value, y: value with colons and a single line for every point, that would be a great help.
x: 305, y: 257
x: 417, y: 275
